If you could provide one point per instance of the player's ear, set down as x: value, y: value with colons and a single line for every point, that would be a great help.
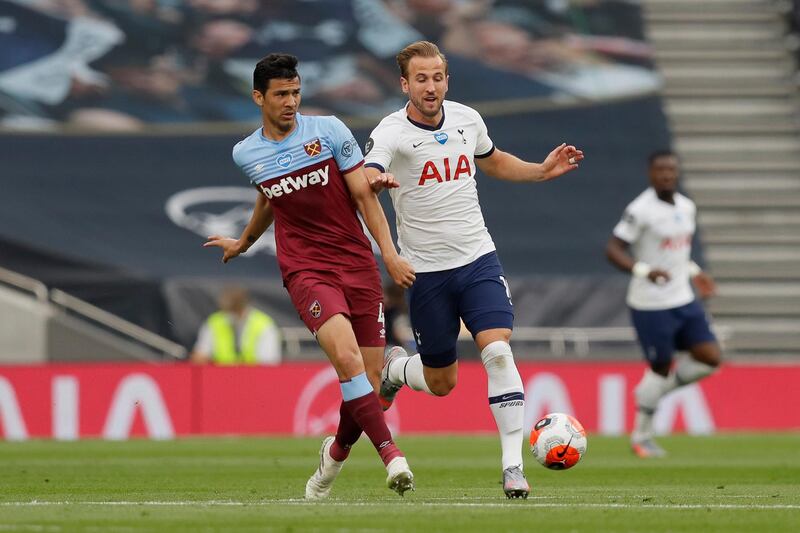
x: 258, y: 98
x: 404, y: 84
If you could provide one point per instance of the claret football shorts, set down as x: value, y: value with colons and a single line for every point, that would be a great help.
x: 357, y: 294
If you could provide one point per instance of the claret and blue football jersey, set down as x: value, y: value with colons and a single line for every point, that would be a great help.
x: 302, y: 176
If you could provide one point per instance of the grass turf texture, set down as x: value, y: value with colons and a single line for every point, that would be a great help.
x: 721, y: 483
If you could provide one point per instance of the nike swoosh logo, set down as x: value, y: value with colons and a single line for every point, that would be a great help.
x: 563, y: 452
x: 415, y: 145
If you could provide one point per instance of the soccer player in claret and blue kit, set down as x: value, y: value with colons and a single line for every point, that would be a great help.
x: 310, y: 181
x: 653, y: 242
x: 426, y: 155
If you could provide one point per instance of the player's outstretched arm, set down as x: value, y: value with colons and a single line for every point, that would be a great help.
x: 505, y: 166
x: 370, y: 208
x: 260, y: 220
x: 617, y: 254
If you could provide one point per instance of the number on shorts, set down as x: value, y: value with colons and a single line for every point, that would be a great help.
x: 508, y: 291
x: 380, y: 313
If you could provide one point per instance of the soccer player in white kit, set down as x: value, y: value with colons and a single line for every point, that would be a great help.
x: 653, y: 242
x: 426, y: 154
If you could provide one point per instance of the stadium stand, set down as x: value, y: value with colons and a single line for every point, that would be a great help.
x: 731, y: 97
x: 116, y: 182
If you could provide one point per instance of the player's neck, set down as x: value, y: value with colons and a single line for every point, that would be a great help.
x: 273, y: 133
x: 415, y: 115
x: 666, y: 196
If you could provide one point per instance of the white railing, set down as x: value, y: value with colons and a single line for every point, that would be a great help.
x: 21, y: 282
x: 117, y: 324
x: 88, y: 311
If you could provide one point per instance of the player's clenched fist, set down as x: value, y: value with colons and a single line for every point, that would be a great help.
x: 400, y: 270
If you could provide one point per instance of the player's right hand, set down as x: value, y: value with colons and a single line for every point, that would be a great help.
x: 659, y: 277
x: 230, y: 247
x: 400, y: 270
x: 381, y: 181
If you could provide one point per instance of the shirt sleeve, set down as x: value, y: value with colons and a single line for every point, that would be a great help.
x: 268, y: 351
x: 380, y: 148
x: 484, y: 145
x: 344, y: 146
x: 630, y: 227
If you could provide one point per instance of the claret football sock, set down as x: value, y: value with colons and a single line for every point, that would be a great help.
x: 347, y: 435
x: 363, y: 406
x: 506, y: 399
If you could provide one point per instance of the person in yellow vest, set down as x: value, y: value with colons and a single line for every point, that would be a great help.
x: 237, y: 334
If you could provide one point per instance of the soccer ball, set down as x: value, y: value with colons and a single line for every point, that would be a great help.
x: 558, y: 441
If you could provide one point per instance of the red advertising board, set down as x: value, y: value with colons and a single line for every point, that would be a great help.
x: 162, y: 401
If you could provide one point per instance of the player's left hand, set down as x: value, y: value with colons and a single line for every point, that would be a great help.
x: 706, y: 288
x: 400, y: 270
x: 384, y: 180
x: 561, y: 160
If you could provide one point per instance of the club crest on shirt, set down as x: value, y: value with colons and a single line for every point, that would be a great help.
x: 440, y: 137
x: 313, y: 148
x: 284, y: 160
x: 315, y: 309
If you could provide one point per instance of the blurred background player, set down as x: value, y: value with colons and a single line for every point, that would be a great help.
x: 237, y: 334
x: 431, y: 147
x: 653, y: 242
x: 310, y: 181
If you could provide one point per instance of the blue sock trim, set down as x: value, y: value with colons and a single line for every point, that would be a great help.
x: 356, y: 387
x: 507, y: 397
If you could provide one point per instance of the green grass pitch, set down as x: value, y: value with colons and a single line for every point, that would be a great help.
x: 722, y: 483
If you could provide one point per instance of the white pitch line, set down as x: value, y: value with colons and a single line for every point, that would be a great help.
x: 301, y: 502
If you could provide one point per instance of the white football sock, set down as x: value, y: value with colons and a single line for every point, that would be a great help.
x: 648, y: 392
x: 688, y: 370
x: 408, y: 371
x: 506, y: 399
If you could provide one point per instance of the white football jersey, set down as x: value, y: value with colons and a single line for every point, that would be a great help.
x: 439, y: 221
x: 660, y: 234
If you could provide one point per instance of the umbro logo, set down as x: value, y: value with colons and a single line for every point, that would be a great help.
x: 259, y: 167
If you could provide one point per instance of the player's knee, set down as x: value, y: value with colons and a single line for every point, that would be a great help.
x: 709, y: 353
x: 442, y: 385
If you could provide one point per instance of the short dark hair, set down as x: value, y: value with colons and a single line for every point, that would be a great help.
x: 658, y: 154
x: 274, y: 66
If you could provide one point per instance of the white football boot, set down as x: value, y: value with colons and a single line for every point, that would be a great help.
x: 400, y: 478
x: 319, y: 484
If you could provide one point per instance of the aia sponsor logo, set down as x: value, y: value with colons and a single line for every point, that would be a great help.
x: 313, y: 148
x: 444, y: 171
x: 290, y: 184
x: 676, y: 243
